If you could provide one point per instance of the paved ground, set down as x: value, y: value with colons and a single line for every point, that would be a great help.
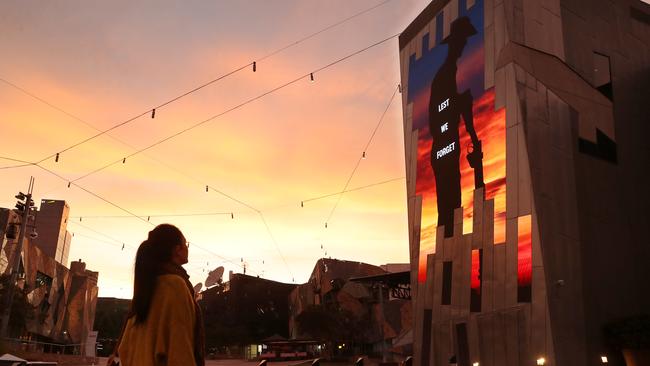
x: 102, y: 362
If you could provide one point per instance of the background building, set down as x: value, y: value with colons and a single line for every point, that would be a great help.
x: 53, y: 236
x: 109, y: 318
x: 549, y: 257
x: 59, y: 302
x: 352, y: 317
x: 242, y: 312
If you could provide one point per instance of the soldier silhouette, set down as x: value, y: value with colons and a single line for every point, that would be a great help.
x: 446, y: 106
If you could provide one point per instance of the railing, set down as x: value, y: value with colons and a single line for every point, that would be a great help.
x: 68, y: 354
x: 25, y: 345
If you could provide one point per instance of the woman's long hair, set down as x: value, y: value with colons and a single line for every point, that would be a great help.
x: 152, y: 254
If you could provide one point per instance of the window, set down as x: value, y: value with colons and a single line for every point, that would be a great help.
x: 475, y: 281
x: 446, y: 283
x: 524, y: 259
x: 603, y: 75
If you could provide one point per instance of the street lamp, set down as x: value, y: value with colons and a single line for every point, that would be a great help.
x: 603, y: 359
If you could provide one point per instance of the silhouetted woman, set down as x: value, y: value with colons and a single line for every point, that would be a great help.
x: 164, y: 326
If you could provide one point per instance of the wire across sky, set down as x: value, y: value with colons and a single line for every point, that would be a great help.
x: 247, y: 204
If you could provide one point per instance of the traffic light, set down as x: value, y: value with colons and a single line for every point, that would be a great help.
x: 24, y: 201
x: 20, y: 206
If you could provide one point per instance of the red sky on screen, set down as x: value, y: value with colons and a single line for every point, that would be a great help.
x: 524, y: 251
x: 475, y: 281
x: 490, y: 128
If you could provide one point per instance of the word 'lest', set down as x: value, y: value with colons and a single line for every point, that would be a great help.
x: 443, y: 105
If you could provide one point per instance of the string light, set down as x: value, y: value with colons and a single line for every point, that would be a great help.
x: 153, y: 113
x: 242, y: 104
x: 121, y: 243
x: 56, y: 159
x: 354, y: 170
x: 69, y: 184
x: 311, y: 76
x: 206, y: 188
x: 232, y: 215
x: 254, y: 63
x: 114, y: 242
x: 302, y: 204
x: 189, y: 214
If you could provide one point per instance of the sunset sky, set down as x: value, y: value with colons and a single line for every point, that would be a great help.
x: 105, y: 62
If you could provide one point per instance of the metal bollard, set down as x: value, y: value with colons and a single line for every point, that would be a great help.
x: 452, y: 360
x: 408, y: 361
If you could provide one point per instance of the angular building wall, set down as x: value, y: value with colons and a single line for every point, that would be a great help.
x: 82, y: 302
x: 51, y: 224
x: 570, y: 77
x: 64, y: 300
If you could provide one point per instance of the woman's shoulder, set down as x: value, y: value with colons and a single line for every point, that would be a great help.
x: 172, y: 282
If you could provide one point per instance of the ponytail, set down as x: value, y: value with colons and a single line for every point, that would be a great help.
x: 151, y: 255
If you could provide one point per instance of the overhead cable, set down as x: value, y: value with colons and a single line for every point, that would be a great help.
x: 238, y: 106
x: 152, y: 110
x: 363, y: 156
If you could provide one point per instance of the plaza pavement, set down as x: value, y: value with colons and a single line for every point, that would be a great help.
x: 102, y: 362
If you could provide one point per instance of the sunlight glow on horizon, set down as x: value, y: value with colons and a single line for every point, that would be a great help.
x: 105, y: 63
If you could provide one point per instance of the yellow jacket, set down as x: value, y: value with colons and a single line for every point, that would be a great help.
x: 167, y: 336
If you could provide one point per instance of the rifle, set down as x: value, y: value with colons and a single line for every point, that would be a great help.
x: 475, y: 159
x: 475, y: 150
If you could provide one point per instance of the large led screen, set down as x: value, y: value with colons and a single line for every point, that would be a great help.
x: 461, y: 143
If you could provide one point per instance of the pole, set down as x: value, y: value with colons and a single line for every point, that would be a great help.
x: 9, y: 296
x: 381, y: 309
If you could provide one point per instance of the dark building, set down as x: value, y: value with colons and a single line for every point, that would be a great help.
x: 110, y: 315
x: 245, y: 310
x: 546, y: 258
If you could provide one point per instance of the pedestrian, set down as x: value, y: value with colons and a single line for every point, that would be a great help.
x: 164, y: 324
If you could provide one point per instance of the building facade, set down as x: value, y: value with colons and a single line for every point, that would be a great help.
x: 525, y: 125
x: 52, y: 223
x: 334, y: 304
x: 245, y: 310
x: 63, y: 300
